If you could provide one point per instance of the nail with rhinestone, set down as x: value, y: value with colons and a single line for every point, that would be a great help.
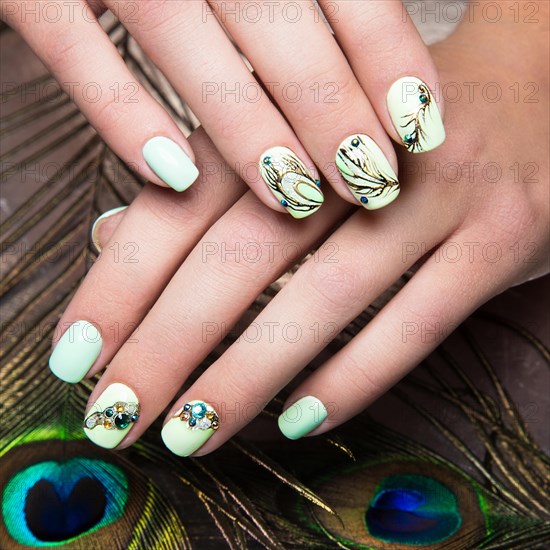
x: 415, y: 115
x: 190, y: 428
x: 291, y: 182
x: 112, y: 415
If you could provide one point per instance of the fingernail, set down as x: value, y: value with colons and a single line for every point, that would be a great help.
x: 170, y: 163
x: 290, y: 181
x: 190, y: 428
x: 367, y: 172
x: 112, y: 416
x: 97, y: 224
x: 415, y: 115
x: 76, y: 352
x: 302, y: 417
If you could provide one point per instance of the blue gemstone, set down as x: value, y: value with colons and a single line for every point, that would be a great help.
x: 186, y: 407
x: 408, y: 139
x: 284, y: 203
x: 198, y: 410
x: 192, y: 422
x: 355, y: 143
x: 364, y: 200
x: 318, y: 183
x: 109, y: 413
x: 267, y: 160
x: 134, y: 417
x: 423, y: 98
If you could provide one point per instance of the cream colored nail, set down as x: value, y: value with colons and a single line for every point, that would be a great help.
x: 190, y: 428
x: 367, y: 171
x: 290, y: 181
x: 112, y: 416
x: 99, y: 222
x: 415, y: 115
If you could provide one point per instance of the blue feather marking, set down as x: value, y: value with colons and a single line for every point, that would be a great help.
x: 49, y: 503
x: 413, y: 509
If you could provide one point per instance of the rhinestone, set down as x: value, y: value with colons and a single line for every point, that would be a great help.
x: 122, y: 421
x: 203, y: 423
x: 198, y: 410
x: 91, y: 422
x: 423, y: 98
x: 109, y: 413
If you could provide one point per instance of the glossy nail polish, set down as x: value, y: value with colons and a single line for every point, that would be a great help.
x: 190, y: 428
x: 170, y: 163
x: 290, y: 181
x: 415, y: 115
x: 302, y: 417
x: 100, y: 220
x: 112, y: 416
x: 367, y: 172
x: 76, y: 352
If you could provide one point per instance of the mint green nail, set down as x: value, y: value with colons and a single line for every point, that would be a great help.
x: 76, y: 352
x: 302, y: 417
x: 170, y: 163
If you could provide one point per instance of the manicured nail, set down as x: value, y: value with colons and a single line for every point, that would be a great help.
x: 190, y: 428
x: 99, y: 222
x: 415, y: 115
x: 302, y: 417
x: 112, y: 416
x: 76, y: 352
x: 170, y: 163
x: 291, y: 182
x: 367, y: 172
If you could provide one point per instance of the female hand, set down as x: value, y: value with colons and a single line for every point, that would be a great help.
x: 319, y: 111
x: 477, y: 233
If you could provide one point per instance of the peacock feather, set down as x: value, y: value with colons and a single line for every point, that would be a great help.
x: 446, y: 460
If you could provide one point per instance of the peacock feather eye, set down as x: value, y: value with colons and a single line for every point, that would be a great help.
x: 412, y: 509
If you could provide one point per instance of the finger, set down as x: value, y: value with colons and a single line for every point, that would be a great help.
x: 90, y: 69
x: 105, y: 225
x: 333, y: 117
x: 236, y: 259
x: 198, y: 58
x: 151, y: 240
x: 319, y: 301
x: 394, y: 67
x: 430, y: 306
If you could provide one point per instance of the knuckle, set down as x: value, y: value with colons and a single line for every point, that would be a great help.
x: 62, y: 50
x: 336, y: 286
x: 156, y: 16
x: 359, y: 378
x: 235, y: 122
x: 244, y: 238
x: 326, y: 98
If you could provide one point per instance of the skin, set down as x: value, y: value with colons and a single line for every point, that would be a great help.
x: 433, y: 216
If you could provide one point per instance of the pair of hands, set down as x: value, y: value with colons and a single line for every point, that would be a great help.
x: 475, y: 210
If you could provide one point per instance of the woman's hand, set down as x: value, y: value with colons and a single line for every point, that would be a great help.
x: 475, y: 210
x: 319, y: 110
